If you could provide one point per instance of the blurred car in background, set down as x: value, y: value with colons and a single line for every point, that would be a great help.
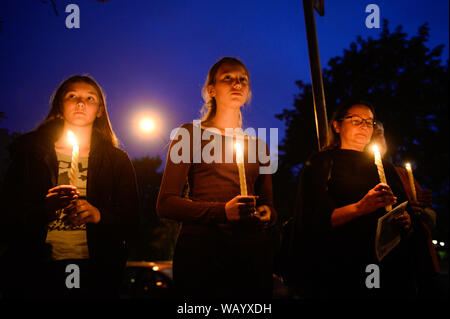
x: 154, y: 280
x: 147, y: 280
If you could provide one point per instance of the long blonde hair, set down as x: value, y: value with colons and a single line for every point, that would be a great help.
x: 209, y: 108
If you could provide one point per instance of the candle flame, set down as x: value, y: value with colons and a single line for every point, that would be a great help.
x: 72, y: 139
x: 375, y: 148
x: 238, y: 147
x: 408, y: 166
x: 239, y: 152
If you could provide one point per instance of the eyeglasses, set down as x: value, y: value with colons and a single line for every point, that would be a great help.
x: 358, y: 120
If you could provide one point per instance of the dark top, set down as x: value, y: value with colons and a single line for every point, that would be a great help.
x: 337, y: 257
x: 111, y: 187
x: 210, y: 185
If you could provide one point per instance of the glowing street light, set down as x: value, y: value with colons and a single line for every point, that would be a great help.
x: 147, y: 125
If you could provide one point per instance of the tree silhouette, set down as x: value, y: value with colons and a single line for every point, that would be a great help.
x: 408, y: 84
x: 52, y: 2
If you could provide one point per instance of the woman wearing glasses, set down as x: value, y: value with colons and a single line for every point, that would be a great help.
x: 339, y: 201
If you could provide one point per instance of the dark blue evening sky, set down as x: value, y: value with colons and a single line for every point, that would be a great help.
x: 154, y: 55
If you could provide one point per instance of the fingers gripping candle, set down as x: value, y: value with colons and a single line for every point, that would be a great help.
x: 73, y: 173
x: 411, y: 181
x: 241, y: 168
x: 380, y: 169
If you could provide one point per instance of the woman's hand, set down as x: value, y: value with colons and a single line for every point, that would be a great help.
x: 240, y: 207
x: 403, y: 220
x: 82, y: 212
x: 379, y: 196
x: 264, y: 213
x: 416, y: 207
x: 59, y: 197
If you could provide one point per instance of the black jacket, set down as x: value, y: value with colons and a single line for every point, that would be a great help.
x: 330, y: 261
x: 111, y: 187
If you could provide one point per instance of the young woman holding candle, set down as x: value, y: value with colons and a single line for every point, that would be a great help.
x: 339, y: 201
x: 223, y: 249
x: 55, y: 224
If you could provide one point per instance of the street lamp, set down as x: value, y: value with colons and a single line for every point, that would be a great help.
x: 147, y: 125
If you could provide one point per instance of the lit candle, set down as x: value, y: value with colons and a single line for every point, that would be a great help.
x: 380, y: 169
x: 241, y: 168
x: 411, y: 181
x: 73, y: 173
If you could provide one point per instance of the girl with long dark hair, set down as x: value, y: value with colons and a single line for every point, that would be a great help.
x: 70, y: 231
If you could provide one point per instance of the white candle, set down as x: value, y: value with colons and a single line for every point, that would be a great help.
x: 380, y: 169
x: 411, y: 181
x: 73, y: 173
x: 241, y: 168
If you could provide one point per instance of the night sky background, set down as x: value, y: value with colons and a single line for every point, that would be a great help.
x: 153, y: 56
